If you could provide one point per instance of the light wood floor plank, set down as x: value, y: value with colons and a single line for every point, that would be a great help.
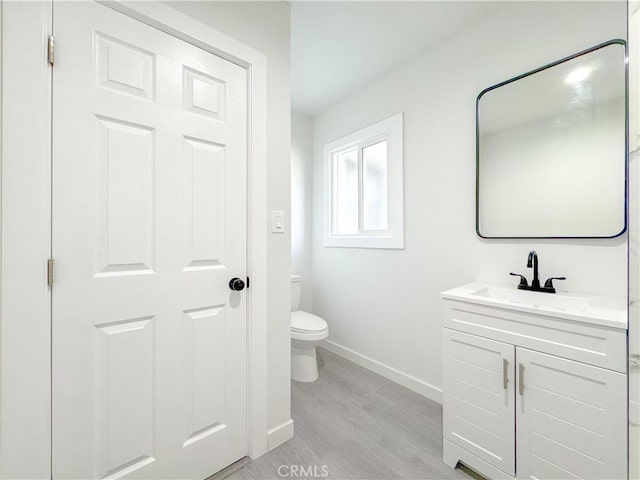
x: 360, y: 426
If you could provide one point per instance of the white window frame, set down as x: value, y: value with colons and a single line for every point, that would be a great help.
x: 390, y: 130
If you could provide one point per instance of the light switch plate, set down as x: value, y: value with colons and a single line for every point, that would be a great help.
x: 277, y: 221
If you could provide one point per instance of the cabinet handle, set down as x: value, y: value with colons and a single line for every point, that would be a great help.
x: 505, y: 373
x: 521, y: 379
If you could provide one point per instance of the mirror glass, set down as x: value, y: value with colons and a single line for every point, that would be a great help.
x: 551, y: 150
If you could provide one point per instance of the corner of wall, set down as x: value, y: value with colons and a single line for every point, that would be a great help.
x: 280, y: 434
x: 301, y: 204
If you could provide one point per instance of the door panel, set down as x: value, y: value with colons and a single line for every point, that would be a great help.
x: 149, y: 225
x: 570, y: 419
x: 478, y: 407
x: 126, y: 203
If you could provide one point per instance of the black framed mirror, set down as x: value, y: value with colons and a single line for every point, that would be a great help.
x: 551, y: 149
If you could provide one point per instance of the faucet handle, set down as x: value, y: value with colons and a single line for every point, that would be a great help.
x: 549, y: 282
x: 523, y: 279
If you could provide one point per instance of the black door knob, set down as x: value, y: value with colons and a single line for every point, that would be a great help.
x: 236, y: 284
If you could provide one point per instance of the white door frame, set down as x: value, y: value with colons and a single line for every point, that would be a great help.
x: 25, y: 224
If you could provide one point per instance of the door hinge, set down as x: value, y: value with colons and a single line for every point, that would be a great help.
x: 50, y: 272
x: 51, y: 43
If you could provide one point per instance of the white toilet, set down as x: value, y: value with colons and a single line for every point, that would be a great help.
x: 307, y: 332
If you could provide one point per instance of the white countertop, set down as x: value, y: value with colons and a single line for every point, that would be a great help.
x: 603, y: 311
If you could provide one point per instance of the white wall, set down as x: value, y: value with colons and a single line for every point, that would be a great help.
x: 385, y: 304
x: 301, y: 203
x: 264, y: 26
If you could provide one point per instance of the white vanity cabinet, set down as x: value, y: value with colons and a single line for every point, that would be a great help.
x: 531, y: 392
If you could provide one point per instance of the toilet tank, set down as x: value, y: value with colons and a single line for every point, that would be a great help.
x: 296, y: 287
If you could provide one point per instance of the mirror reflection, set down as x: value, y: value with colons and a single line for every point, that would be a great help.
x: 551, y: 150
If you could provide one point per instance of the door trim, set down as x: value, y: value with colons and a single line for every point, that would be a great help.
x: 25, y: 225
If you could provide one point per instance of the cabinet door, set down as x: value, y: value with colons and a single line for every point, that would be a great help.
x: 478, y: 397
x: 571, y: 419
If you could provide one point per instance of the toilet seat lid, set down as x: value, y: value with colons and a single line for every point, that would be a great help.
x: 307, y: 322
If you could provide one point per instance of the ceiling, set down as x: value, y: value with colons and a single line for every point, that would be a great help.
x: 338, y: 47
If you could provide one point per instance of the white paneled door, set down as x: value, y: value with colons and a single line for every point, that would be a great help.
x: 149, y: 226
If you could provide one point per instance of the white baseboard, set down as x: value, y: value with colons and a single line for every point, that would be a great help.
x: 412, y: 383
x: 280, y: 434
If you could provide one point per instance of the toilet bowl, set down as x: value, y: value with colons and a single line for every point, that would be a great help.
x: 307, y: 332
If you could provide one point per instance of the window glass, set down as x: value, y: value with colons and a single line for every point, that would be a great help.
x: 346, y: 193
x: 374, y: 186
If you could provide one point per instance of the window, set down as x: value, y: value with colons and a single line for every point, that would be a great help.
x: 363, y: 188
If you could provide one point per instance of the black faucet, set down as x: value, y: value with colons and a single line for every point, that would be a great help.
x: 532, y: 262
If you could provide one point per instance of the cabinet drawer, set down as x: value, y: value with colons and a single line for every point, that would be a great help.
x: 592, y: 344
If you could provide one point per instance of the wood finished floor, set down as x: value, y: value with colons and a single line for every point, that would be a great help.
x: 361, y: 426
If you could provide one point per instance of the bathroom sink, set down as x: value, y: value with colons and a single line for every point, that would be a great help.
x: 534, y: 299
x: 603, y: 311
